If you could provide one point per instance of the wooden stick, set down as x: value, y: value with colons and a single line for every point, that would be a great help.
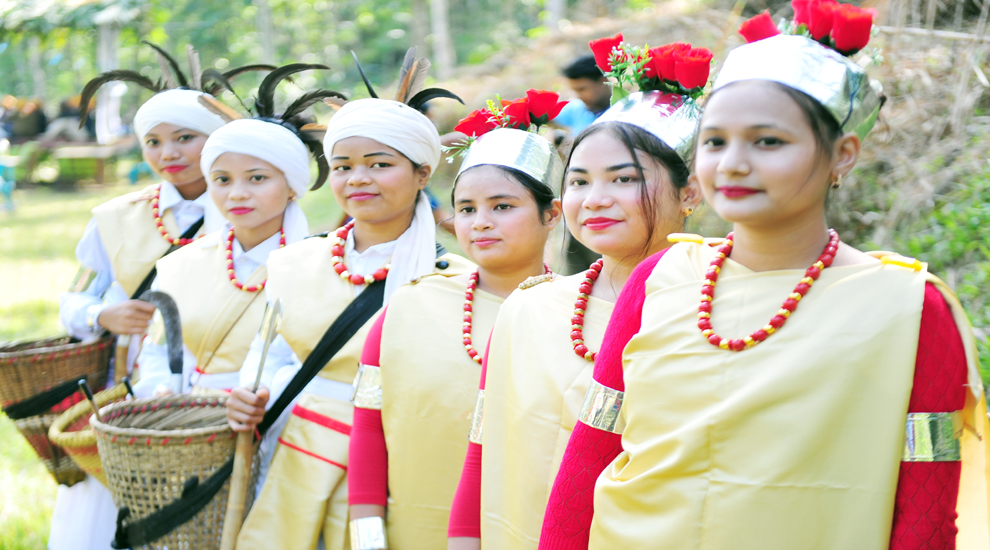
x: 89, y: 397
x: 947, y: 35
x: 130, y: 389
x: 120, y: 357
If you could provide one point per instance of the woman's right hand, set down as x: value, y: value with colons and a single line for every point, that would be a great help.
x: 127, y: 317
x: 245, y: 410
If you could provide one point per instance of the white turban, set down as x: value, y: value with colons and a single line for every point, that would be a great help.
x: 274, y: 144
x: 388, y: 122
x: 409, y: 132
x: 178, y: 107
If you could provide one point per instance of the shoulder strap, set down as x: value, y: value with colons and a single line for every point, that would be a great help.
x: 150, y: 277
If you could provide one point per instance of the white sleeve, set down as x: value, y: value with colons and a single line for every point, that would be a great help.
x: 75, y: 308
x: 153, y: 362
x: 280, y: 356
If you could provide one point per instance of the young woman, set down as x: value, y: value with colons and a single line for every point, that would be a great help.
x: 118, y: 250
x: 420, y: 368
x: 624, y: 190
x: 792, y: 436
x: 382, y: 154
x: 257, y: 169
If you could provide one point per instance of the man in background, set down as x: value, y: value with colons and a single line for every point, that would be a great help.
x: 593, y: 95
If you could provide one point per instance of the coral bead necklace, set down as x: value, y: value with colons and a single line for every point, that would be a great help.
x: 341, y: 268
x: 158, y: 221
x: 230, y: 262
x: 469, y: 310
x: 789, y: 306
x: 580, y: 305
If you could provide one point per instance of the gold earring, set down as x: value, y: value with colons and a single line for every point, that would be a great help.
x: 688, y: 211
x: 837, y: 182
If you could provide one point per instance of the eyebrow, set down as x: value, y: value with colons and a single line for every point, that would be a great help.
x: 615, y: 168
x: 379, y: 153
x: 755, y: 126
x: 503, y: 196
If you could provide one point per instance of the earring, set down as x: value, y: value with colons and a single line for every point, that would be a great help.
x: 688, y: 211
x: 837, y: 182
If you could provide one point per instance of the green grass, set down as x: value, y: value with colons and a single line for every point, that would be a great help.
x: 27, y: 493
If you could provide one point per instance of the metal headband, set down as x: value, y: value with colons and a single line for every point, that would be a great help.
x: 672, y: 118
x: 840, y: 85
x: 518, y: 149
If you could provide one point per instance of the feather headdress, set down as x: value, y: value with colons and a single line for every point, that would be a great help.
x: 291, y: 117
x: 412, y: 78
x: 209, y: 80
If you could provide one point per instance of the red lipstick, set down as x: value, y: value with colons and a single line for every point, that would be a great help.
x: 173, y: 168
x: 733, y: 191
x: 361, y: 196
x: 599, y: 223
x: 484, y: 243
x: 241, y: 210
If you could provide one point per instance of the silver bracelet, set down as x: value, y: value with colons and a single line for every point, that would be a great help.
x: 368, y: 534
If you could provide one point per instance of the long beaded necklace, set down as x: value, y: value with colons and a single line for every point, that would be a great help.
x: 158, y: 221
x: 580, y: 305
x: 341, y: 268
x: 230, y: 262
x: 469, y: 310
x: 785, y: 311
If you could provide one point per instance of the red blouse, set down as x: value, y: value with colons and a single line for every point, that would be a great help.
x: 925, y: 503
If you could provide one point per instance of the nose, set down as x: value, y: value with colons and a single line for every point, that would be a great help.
x: 170, y: 151
x: 598, y: 196
x: 482, y: 220
x: 238, y: 190
x: 734, y: 161
x: 359, y: 176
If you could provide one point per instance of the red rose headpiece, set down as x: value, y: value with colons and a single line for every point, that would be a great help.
x: 843, y: 27
x: 676, y: 68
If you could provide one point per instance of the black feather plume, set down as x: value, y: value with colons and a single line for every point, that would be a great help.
x: 110, y: 76
x: 229, y: 75
x: 265, y: 104
x: 172, y: 63
x: 316, y: 147
x: 304, y: 101
x: 371, y: 89
x: 417, y: 101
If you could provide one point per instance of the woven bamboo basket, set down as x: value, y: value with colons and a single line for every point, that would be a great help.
x: 72, y: 433
x: 29, y: 368
x: 151, y: 447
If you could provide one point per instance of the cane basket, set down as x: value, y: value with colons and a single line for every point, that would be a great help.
x: 73, y: 434
x: 29, y: 370
x: 151, y: 448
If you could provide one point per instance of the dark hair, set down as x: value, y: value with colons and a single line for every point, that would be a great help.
x: 541, y: 192
x: 634, y: 137
x: 583, y: 67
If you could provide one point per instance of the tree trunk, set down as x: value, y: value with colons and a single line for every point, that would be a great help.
x: 419, y: 27
x: 107, y: 103
x: 266, y: 31
x: 443, y: 47
x: 557, y: 10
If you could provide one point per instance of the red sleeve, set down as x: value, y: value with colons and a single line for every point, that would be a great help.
x: 925, y: 504
x: 367, y: 462
x: 567, y: 522
x: 465, y: 512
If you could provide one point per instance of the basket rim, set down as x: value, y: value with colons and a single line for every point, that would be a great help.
x: 49, y: 349
x: 104, y: 428
x: 81, y: 438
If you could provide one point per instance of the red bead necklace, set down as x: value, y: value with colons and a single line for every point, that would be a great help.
x: 778, y: 320
x: 469, y: 309
x: 580, y: 305
x: 230, y: 263
x: 341, y: 268
x: 161, y: 226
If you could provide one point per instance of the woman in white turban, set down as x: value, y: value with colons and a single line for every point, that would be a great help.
x: 381, y: 155
x: 118, y: 251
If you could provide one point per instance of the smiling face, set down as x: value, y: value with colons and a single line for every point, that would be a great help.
x: 497, y: 221
x: 374, y: 183
x: 249, y: 192
x: 603, y: 198
x: 173, y: 153
x: 758, y: 160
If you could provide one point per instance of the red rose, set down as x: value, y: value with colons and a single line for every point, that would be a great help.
x: 821, y: 12
x: 664, y: 59
x: 602, y: 48
x: 801, y: 14
x: 652, y: 67
x: 758, y: 28
x: 544, y: 106
x: 692, y: 67
x: 851, y: 28
x: 516, y: 114
x: 477, y: 123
